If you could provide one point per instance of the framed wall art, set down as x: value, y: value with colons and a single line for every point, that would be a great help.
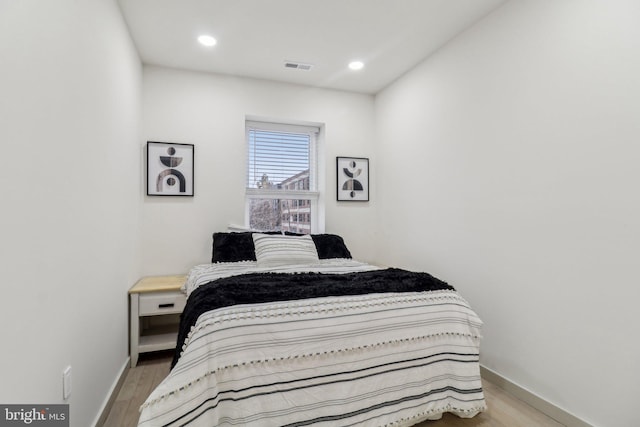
x: 353, y: 179
x: 169, y: 169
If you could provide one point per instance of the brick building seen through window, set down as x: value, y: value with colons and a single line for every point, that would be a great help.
x: 292, y: 215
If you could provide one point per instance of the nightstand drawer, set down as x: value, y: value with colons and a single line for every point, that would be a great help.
x: 161, y: 303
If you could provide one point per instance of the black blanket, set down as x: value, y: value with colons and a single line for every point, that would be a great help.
x: 270, y: 287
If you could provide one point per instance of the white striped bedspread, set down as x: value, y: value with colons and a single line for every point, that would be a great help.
x: 387, y: 359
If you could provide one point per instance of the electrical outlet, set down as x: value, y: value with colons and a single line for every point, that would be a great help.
x: 66, y: 383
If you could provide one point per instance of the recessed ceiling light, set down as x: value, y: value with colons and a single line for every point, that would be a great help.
x: 356, y: 65
x: 207, y: 40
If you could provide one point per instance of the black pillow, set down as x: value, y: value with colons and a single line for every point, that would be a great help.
x: 234, y: 247
x: 330, y: 246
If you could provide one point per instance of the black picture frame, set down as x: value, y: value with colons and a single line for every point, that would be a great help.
x: 170, y: 169
x: 352, y: 179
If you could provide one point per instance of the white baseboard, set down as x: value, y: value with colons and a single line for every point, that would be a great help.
x: 111, y: 396
x: 533, y: 400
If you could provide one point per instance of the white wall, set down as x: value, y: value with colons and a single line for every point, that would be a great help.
x: 70, y: 84
x: 516, y: 150
x: 209, y: 111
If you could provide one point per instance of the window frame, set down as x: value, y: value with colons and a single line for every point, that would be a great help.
x: 316, y: 209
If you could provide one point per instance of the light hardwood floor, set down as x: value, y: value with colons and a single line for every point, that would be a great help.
x: 151, y: 369
x: 504, y: 409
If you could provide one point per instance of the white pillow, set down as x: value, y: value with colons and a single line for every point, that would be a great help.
x: 274, y: 250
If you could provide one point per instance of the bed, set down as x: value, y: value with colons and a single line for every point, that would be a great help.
x: 291, y: 331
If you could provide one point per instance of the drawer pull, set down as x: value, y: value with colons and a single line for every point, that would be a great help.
x: 168, y: 305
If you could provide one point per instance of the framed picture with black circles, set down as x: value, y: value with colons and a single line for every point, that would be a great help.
x: 352, y: 179
x: 169, y: 169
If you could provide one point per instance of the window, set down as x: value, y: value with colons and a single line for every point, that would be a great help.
x: 281, y: 189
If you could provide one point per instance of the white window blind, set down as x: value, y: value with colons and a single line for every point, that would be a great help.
x: 280, y: 157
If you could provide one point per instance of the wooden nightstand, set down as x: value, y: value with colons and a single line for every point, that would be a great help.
x: 156, y: 303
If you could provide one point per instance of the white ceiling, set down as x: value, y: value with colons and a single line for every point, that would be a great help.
x: 256, y: 37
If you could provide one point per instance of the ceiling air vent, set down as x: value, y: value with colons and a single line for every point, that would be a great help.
x: 297, y: 65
